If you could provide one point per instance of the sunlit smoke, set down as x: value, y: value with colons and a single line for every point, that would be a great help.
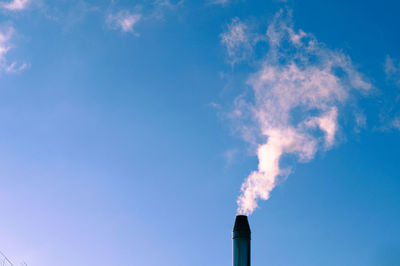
x: 298, y: 93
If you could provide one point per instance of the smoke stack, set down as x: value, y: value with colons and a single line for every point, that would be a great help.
x: 241, y: 241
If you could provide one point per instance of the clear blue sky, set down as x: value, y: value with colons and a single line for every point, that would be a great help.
x: 116, y: 147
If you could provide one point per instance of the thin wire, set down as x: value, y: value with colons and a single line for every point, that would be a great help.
x: 5, y: 257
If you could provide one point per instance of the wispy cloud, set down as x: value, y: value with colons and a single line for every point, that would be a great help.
x: 360, y: 121
x: 239, y: 40
x: 390, y: 113
x: 6, y: 34
x: 396, y: 123
x: 168, y: 4
x: 15, y: 5
x: 161, y: 8
x: 392, y: 70
x: 124, y: 21
x: 218, y: 2
x: 127, y: 19
x: 230, y: 156
x: 297, y: 97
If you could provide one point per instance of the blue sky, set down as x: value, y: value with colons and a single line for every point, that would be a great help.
x: 129, y: 127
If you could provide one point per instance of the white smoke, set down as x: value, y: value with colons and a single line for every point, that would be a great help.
x: 298, y: 91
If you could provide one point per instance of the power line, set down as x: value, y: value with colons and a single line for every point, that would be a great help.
x: 6, y: 259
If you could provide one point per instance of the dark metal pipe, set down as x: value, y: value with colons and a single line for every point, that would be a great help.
x: 241, y: 241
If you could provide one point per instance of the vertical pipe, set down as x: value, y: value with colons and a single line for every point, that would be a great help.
x: 241, y: 241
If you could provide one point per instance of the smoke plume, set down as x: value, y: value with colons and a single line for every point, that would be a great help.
x: 298, y: 92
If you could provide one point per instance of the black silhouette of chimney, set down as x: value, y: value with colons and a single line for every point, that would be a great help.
x: 241, y: 241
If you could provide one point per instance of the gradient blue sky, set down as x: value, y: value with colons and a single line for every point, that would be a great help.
x: 115, y: 147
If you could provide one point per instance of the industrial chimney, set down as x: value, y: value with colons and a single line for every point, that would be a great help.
x: 241, y: 241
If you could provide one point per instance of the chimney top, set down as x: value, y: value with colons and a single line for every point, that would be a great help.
x: 242, y: 226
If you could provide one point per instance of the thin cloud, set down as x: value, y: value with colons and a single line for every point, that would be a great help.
x: 6, y: 34
x: 218, y: 2
x: 239, y: 41
x: 297, y: 96
x: 396, y: 123
x: 390, y: 115
x: 162, y: 7
x: 168, y: 4
x: 15, y: 5
x: 230, y: 156
x: 14, y: 67
x: 124, y: 21
x: 360, y: 121
x: 392, y: 70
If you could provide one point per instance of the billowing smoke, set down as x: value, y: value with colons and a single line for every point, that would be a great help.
x: 298, y: 93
